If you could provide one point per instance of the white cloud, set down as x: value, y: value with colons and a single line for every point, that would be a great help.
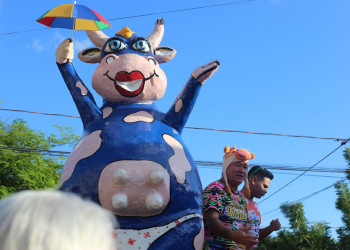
x: 82, y: 44
x: 36, y: 45
x: 52, y: 43
x: 79, y: 44
x: 39, y: 45
x: 57, y: 39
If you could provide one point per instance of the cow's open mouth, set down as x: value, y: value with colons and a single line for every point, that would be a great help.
x: 129, y: 84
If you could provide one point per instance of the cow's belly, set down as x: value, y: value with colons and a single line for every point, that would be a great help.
x: 134, y: 188
x: 134, y: 169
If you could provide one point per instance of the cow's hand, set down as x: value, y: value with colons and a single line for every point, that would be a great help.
x: 65, y: 51
x: 202, y: 73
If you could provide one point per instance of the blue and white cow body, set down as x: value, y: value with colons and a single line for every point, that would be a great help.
x: 131, y: 158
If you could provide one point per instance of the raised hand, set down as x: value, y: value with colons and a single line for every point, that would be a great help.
x: 203, y: 73
x: 65, y: 51
x: 275, y: 225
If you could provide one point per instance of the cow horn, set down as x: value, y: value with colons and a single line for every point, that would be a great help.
x: 157, y: 34
x: 97, y: 37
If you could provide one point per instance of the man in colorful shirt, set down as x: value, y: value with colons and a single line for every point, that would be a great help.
x: 225, y: 208
x: 259, y: 181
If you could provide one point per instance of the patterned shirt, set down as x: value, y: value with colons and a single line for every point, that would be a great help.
x: 254, y: 218
x: 232, y: 212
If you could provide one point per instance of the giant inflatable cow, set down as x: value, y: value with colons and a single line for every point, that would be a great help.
x: 131, y: 158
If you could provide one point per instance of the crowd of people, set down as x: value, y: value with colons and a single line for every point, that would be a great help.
x: 231, y: 218
x: 53, y: 220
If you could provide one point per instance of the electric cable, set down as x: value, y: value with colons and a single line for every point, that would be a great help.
x: 197, y: 128
x: 200, y: 164
x: 38, y: 113
x: 342, y: 144
x: 143, y: 15
x: 310, y: 195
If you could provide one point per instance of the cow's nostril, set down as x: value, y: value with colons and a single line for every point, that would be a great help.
x: 110, y: 59
x: 152, y: 60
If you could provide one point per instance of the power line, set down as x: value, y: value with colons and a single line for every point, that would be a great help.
x: 276, y: 167
x: 198, y: 128
x: 321, y: 169
x: 310, y: 175
x: 35, y: 151
x: 309, y: 196
x: 201, y: 164
x: 207, y: 164
x: 182, y: 10
x: 342, y: 144
x: 148, y: 14
x: 275, y: 134
x: 315, y: 175
x: 22, y: 31
x: 38, y: 113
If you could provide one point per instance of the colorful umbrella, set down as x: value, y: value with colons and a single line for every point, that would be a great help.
x: 75, y: 17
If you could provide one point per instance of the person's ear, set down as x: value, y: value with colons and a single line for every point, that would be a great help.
x: 254, y: 179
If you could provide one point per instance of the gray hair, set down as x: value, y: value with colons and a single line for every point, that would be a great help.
x: 53, y: 220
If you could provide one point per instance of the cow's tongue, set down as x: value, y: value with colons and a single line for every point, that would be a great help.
x: 129, y: 84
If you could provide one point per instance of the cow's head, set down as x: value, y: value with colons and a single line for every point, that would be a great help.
x: 128, y: 69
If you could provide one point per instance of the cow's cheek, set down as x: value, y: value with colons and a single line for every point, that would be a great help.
x: 161, y: 83
x: 104, y: 86
x: 155, y: 87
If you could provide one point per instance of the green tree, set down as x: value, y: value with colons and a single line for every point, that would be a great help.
x: 343, y: 205
x: 302, y: 234
x: 25, y: 160
x: 346, y: 154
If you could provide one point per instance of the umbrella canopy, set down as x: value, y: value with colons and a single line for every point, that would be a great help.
x: 74, y: 17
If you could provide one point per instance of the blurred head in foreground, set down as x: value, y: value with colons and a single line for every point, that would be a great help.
x: 52, y: 220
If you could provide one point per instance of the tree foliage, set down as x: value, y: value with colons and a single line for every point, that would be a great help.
x: 346, y: 154
x: 343, y: 205
x: 305, y: 235
x: 25, y: 160
x: 302, y: 234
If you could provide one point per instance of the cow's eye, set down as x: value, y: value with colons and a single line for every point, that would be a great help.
x: 114, y: 46
x: 141, y: 45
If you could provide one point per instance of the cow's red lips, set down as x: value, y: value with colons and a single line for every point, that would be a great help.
x: 129, y: 84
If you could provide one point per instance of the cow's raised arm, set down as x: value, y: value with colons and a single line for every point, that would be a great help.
x: 82, y: 97
x: 179, y: 112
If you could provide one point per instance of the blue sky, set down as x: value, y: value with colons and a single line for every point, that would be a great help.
x: 284, y: 69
